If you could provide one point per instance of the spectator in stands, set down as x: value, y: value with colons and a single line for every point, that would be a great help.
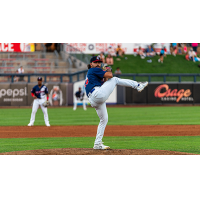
x: 185, y: 48
x: 194, y: 46
x: 150, y: 51
x: 102, y: 57
x: 162, y: 53
x: 165, y: 51
x: 21, y: 71
x: 48, y: 46
x: 119, y: 51
x: 16, y: 78
x: 192, y: 54
x: 141, y: 53
x: 111, y: 51
x: 180, y: 48
x: 109, y: 60
x: 118, y: 71
x: 174, y: 46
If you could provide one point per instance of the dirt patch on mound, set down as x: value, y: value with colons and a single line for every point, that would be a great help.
x: 74, y: 151
x: 90, y: 131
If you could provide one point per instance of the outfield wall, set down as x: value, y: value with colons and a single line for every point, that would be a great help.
x: 62, y: 94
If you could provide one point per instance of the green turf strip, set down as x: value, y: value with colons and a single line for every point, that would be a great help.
x: 189, y: 144
x: 117, y: 116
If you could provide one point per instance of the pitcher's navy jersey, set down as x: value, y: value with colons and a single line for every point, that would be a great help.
x: 40, y: 92
x: 94, y: 78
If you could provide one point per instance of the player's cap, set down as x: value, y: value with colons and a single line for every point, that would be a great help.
x: 95, y: 59
x: 39, y: 78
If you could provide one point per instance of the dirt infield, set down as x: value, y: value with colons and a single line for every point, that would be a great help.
x: 90, y: 131
x: 96, y: 152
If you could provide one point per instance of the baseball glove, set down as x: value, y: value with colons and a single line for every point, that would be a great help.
x: 105, y: 67
x: 46, y: 104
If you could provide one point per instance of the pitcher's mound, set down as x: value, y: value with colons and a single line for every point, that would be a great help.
x: 74, y: 151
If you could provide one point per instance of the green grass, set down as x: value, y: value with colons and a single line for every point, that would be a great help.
x: 117, y: 116
x: 171, y: 64
x: 182, y: 144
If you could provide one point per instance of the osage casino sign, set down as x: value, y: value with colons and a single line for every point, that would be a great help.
x: 166, y: 94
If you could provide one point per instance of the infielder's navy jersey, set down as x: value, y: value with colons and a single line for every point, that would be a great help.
x: 94, y: 78
x: 79, y: 94
x: 40, y: 92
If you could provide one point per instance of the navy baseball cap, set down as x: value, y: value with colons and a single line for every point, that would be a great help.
x: 95, y: 59
x: 39, y: 79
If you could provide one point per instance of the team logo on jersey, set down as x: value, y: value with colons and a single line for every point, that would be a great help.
x: 86, y: 82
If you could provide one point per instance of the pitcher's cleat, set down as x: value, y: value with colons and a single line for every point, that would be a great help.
x: 142, y: 86
x: 30, y: 124
x: 101, y: 146
x: 48, y: 125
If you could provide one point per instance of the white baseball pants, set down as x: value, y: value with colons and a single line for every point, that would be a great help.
x: 36, y: 104
x: 98, y: 98
x: 77, y: 101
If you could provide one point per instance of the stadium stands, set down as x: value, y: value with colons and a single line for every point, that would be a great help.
x: 38, y: 62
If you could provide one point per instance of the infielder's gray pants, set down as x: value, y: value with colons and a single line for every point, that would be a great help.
x: 98, y: 98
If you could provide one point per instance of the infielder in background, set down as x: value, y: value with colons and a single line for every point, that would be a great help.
x: 98, y: 92
x: 39, y: 93
x: 79, y: 96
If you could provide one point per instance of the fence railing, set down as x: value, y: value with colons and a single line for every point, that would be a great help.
x: 47, y: 77
x: 163, y: 76
x: 78, y: 76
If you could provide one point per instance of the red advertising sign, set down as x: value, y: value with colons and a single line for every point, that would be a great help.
x: 15, y: 47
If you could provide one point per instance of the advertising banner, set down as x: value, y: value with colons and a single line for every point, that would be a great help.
x: 128, y: 48
x: 17, y: 47
x: 170, y: 93
x: 19, y: 94
x: 165, y: 93
x: 13, y: 94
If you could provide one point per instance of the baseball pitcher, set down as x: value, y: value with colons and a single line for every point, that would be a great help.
x: 39, y: 93
x: 99, y: 91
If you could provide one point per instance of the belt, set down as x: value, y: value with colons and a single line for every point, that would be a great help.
x: 91, y: 92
